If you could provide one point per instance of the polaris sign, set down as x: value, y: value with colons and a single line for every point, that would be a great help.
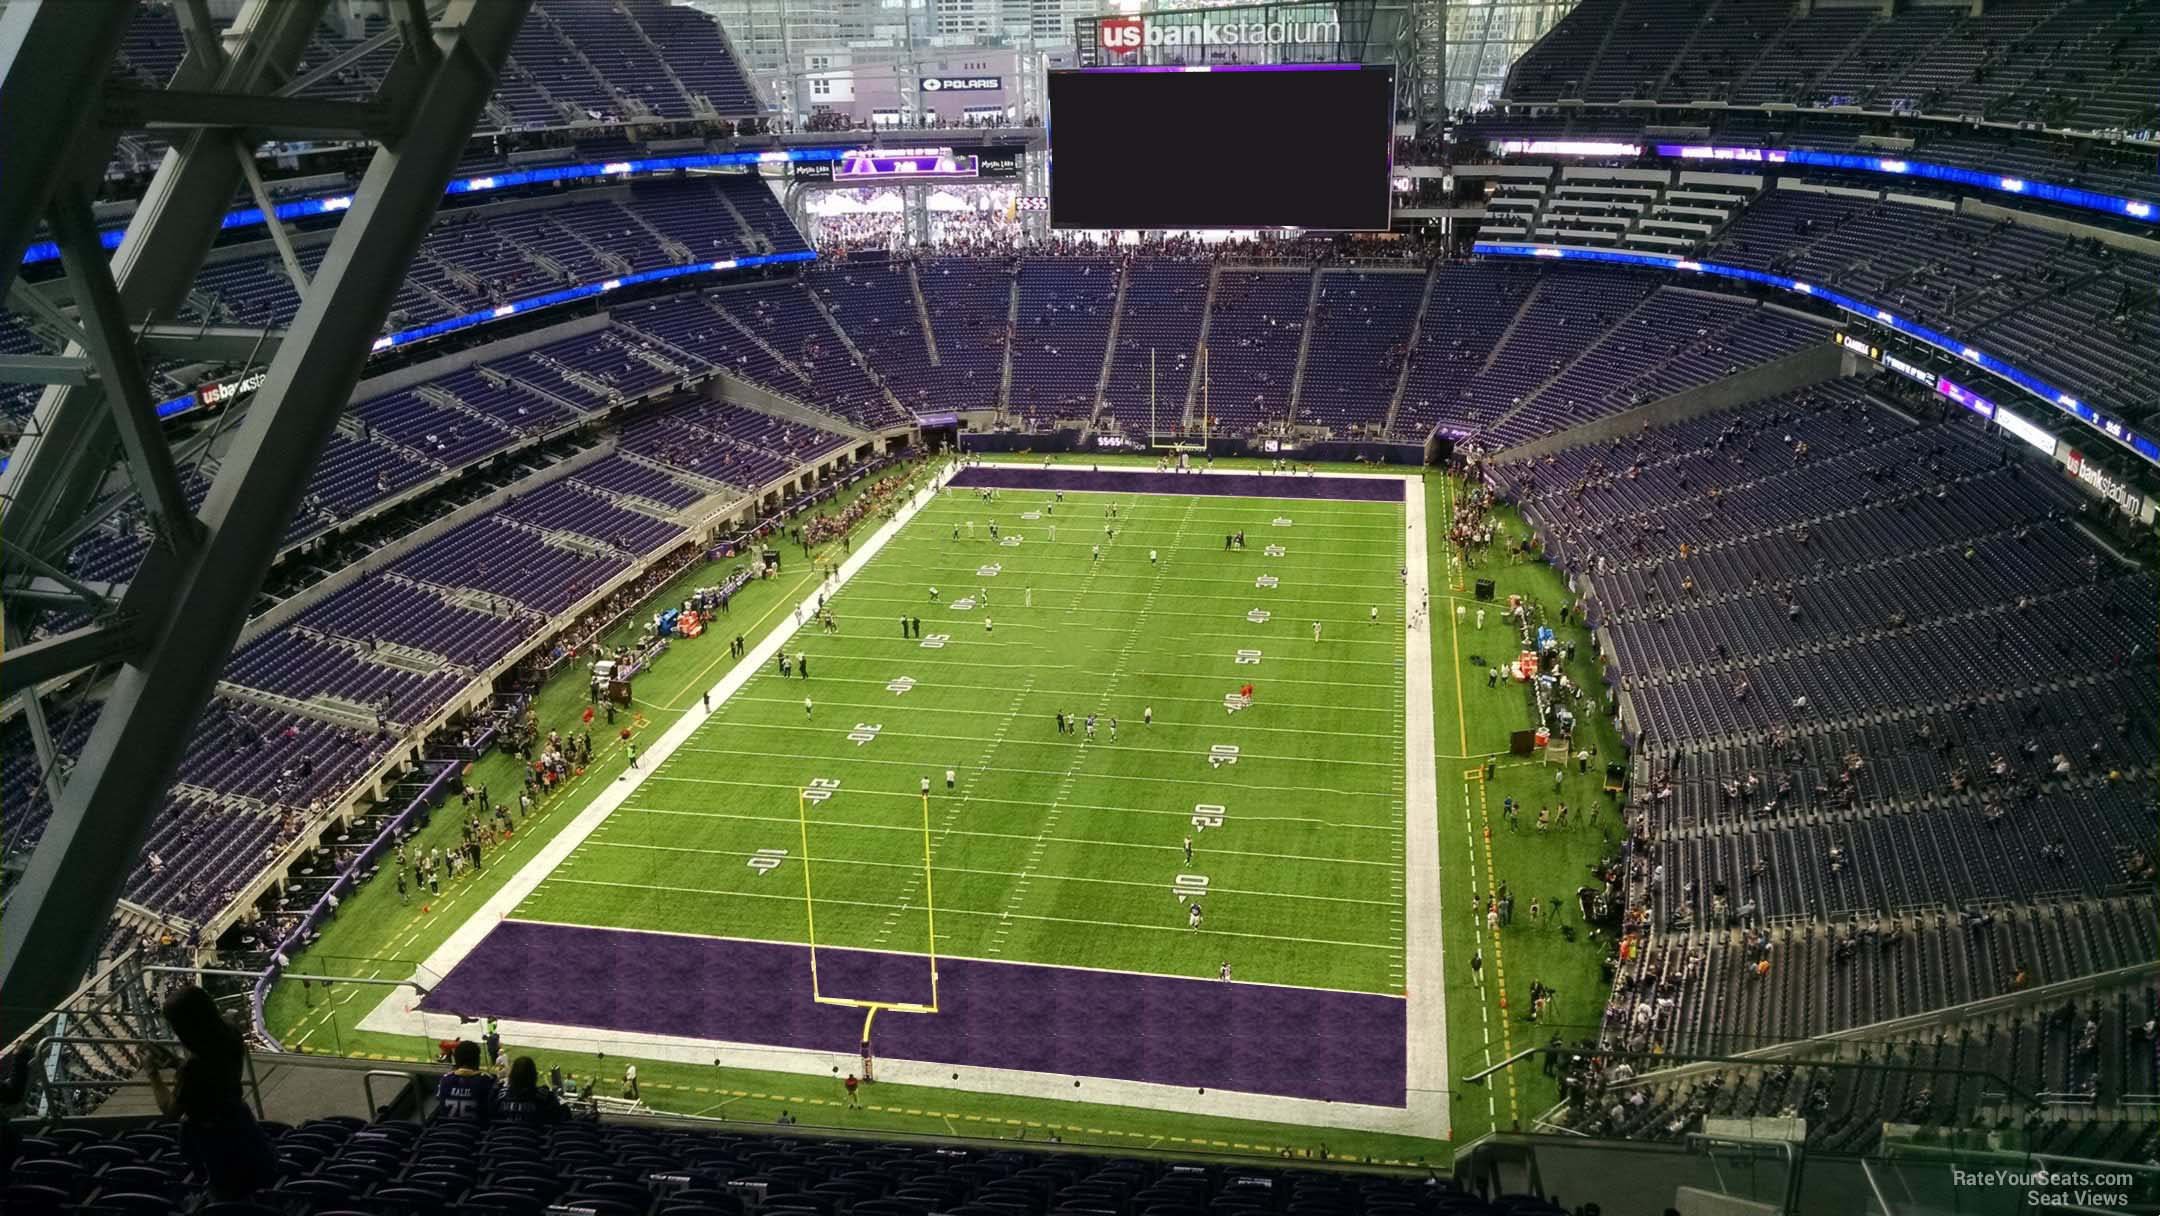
x: 962, y: 84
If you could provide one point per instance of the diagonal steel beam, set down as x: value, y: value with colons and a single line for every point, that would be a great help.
x: 346, y: 58
x: 93, y: 596
x: 26, y: 299
x: 64, y: 540
x: 44, y: 369
x: 33, y: 663
x: 209, y: 343
x: 50, y: 51
x: 191, y: 606
x: 50, y: 773
x: 200, y: 31
x: 35, y: 579
x: 244, y: 155
x: 58, y: 468
x: 414, y: 24
x: 131, y: 108
x: 127, y: 390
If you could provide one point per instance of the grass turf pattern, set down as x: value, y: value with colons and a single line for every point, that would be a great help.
x: 374, y: 935
x: 1052, y: 847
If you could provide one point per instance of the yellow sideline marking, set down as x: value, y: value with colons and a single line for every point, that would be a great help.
x: 1462, y: 714
x: 1492, y: 892
x: 788, y: 599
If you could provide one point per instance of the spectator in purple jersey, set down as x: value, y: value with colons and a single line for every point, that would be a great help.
x: 465, y: 1094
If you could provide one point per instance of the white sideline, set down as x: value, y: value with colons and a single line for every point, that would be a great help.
x: 1424, y: 969
x: 1425, y: 1114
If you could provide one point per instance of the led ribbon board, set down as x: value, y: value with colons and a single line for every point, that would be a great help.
x: 222, y: 394
x: 2139, y: 209
x: 869, y: 165
x: 46, y: 251
x: 2107, y: 425
x: 1566, y: 147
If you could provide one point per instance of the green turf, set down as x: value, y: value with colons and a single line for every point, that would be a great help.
x: 1052, y: 848
x: 374, y: 934
x: 1485, y: 1023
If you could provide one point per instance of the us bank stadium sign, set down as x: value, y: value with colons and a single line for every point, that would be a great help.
x: 1266, y: 33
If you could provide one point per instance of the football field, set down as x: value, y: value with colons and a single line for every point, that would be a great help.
x: 664, y: 913
x: 796, y: 812
x: 1084, y: 780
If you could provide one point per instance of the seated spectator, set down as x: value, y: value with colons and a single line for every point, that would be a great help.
x: 525, y: 1101
x: 218, y: 1132
x: 466, y: 1095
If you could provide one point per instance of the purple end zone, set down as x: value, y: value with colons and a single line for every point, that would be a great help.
x: 1141, y: 481
x: 1294, y: 1042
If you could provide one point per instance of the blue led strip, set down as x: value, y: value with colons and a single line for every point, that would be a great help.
x: 245, y: 217
x: 2111, y: 427
x: 2143, y: 210
x: 403, y: 337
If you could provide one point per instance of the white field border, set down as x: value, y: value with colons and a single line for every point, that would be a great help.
x: 1425, y: 1113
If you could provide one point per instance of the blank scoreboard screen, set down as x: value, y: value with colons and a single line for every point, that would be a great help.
x: 1243, y: 147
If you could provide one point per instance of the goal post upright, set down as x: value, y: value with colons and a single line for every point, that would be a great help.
x: 802, y: 819
x: 871, y: 1006
x: 929, y: 907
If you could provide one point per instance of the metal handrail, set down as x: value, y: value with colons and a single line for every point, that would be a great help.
x: 347, y: 879
x: 1525, y: 1053
x: 88, y: 986
x: 367, y: 1086
x: 1659, y: 1075
x: 253, y: 1083
x: 1706, y: 1143
x: 236, y: 973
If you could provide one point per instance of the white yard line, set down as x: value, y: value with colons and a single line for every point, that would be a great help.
x: 830, y: 901
x: 1059, y: 801
x: 1116, y: 882
x: 904, y: 827
x: 1425, y: 1114
x: 1000, y: 714
x: 965, y: 572
x: 391, y: 1014
x: 1214, y: 703
x: 953, y: 810
x: 860, y: 794
x: 1002, y: 962
x: 888, y: 734
x: 1048, y: 772
x: 1426, y: 984
x: 1273, y: 680
x: 1028, y: 875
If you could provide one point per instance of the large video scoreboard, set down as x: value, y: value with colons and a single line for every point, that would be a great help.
x: 1237, y: 146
